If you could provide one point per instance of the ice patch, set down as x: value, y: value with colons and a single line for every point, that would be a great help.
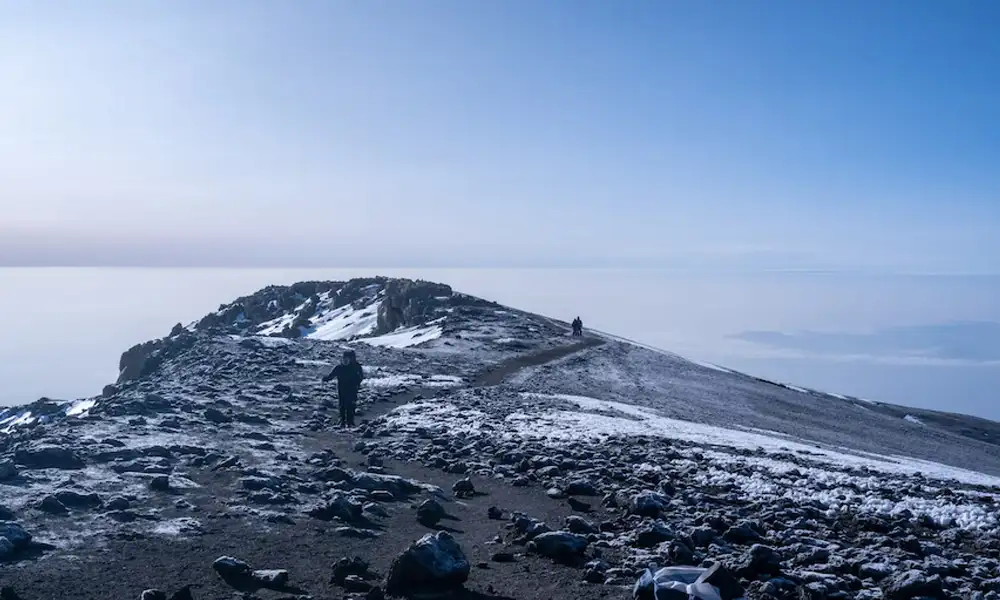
x: 913, y: 419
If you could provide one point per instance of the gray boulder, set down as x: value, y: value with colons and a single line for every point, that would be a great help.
x: 16, y: 536
x: 464, y: 488
x: 912, y: 584
x: 434, y: 563
x: 648, y: 504
x: 233, y: 571
x: 561, y: 546
x: 580, y: 526
x: 337, y: 506
x: 759, y: 560
x: 430, y: 513
x: 271, y: 578
x: 51, y: 505
x: 74, y: 499
x: 214, y: 415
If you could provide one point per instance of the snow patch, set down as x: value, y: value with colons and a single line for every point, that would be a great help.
x: 11, y: 423
x: 344, y: 323
x: 176, y: 527
x: 80, y: 408
x: 709, y: 366
x: 566, y: 425
x: 407, y: 337
x: 312, y: 363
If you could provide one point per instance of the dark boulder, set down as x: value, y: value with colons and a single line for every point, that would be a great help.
x: 234, y: 571
x: 15, y: 534
x: 339, y: 507
x: 561, y: 546
x: 214, y: 415
x: 580, y: 526
x: 160, y: 483
x: 74, y: 499
x: 720, y: 577
x: 759, y: 560
x: 51, y: 505
x: 48, y: 457
x: 648, y: 504
x: 346, y: 567
x: 464, y: 488
x: 8, y: 470
x: 430, y: 513
x: 913, y: 584
x: 741, y: 534
x: 434, y: 563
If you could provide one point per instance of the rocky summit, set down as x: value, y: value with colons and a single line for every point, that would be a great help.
x: 495, y: 456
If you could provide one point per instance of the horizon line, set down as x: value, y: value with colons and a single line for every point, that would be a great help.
x: 625, y: 266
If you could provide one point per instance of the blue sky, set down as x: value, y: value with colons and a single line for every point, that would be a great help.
x: 853, y: 134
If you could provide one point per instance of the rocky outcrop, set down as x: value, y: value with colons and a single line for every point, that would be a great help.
x: 142, y: 359
x: 408, y: 303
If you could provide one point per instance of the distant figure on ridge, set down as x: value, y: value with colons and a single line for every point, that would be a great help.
x: 577, y: 327
x: 349, y: 376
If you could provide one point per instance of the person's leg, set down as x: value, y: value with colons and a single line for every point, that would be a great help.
x: 351, y: 407
x: 343, y: 411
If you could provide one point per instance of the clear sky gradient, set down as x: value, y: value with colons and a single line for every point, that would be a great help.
x: 848, y: 134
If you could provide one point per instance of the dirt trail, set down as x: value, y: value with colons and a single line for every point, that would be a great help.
x: 501, y: 371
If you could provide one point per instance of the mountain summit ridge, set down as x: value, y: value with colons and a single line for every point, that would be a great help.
x: 222, y: 431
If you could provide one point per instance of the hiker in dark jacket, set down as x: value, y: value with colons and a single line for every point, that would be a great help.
x: 349, y: 376
x: 577, y: 327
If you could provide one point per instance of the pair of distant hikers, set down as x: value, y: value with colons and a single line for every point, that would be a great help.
x: 577, y: 327
x: 349, y: 376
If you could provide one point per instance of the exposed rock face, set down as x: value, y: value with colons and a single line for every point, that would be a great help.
x: 138, y: 360
x: 409, y: 303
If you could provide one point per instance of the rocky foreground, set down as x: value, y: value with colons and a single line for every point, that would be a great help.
x: 213, y: 469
